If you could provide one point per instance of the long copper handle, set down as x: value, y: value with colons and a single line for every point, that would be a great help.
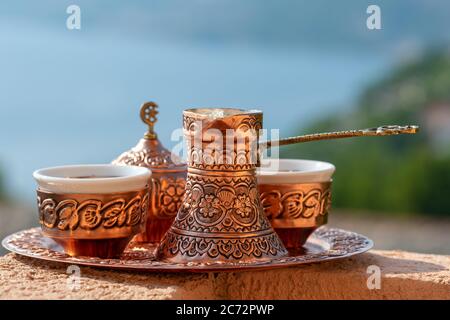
x: 378, y: 131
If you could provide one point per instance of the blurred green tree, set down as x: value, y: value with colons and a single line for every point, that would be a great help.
x: 402, y: 174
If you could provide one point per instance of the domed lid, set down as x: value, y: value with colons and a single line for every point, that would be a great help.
x: 149, y: 152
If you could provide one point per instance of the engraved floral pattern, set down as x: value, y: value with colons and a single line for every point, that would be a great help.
x: 296, y: 204
x: 243, y: 205
x: 114, y: 214
x: 133, y: 211
x: 148, y: 158
x: 209, y: 206
x: 70, y: 214
x: 171, y: 195
x: 89, y: 212
x: 47, y: 213
x: 226, y: 204
x: 216, y: 205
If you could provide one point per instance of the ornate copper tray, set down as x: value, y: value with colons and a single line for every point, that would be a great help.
x: 324, y: 244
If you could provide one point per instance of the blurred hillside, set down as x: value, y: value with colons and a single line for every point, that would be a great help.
x: 403, y: 174
x: 2, y: 187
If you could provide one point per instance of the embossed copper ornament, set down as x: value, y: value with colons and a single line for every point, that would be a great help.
x: 168, y: 177
x: 93, y: 224
x: 221, y: 218
x: 90, y: 213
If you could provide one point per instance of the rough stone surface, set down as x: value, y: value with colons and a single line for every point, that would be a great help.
x: 403, y: 276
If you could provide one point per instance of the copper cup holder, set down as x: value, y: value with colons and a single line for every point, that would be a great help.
x: 296, y: 197
x: 93, y: 210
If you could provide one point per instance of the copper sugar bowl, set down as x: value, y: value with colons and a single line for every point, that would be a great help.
x: 168, y: 177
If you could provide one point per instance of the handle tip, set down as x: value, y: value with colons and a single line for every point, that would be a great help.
x: 413, y: 129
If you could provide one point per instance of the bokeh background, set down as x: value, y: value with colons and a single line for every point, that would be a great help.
x: 73, y: 96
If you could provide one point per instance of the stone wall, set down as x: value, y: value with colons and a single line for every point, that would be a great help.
x: 404, y: 275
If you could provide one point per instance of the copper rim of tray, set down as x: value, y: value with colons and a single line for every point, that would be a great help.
x: 325, y: 244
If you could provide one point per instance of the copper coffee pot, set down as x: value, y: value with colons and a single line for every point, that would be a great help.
x: 221, y: 218
x: 168, y: 177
